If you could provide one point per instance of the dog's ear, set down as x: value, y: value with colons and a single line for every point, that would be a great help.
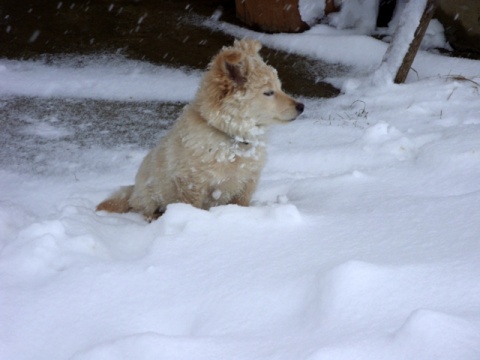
x: 249, y: 46
x: 234, y: 67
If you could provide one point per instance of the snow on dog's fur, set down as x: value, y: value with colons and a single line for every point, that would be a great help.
x: 215, y: 152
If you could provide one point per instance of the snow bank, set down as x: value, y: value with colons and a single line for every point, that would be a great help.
x: 99, y: 77
x: 357, y: 14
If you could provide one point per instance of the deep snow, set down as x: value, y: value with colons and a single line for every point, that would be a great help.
x: 362, y: 242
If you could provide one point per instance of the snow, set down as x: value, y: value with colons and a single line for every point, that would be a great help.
x: 311, y: 10
x: 434, y: 37
x: 362, y: 241
x: 358, y: 14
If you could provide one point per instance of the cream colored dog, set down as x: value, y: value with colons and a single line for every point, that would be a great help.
x: 215, y: 152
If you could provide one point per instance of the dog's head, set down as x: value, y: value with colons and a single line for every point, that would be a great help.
x: 241, y: 95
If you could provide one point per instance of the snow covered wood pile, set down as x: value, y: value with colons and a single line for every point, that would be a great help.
x: 271, y: 15
x: 457, y: 19
x: 281, y: 15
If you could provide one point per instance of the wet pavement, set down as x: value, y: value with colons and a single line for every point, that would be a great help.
x: 48, y: 135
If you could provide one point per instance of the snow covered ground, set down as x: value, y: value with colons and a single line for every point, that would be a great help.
x: 363, y: 241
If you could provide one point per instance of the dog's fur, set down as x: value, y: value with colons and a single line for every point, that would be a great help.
x: 214, y: 153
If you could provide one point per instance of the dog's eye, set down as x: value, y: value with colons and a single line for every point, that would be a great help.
x: 269, y: 93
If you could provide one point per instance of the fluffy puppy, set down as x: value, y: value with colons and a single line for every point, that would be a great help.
x: 215, y: 152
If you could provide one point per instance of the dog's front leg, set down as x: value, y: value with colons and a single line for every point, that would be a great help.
x: 244, y: 198
x: 188, y: 191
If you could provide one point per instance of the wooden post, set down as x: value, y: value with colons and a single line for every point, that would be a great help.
x: 415, y: 44
x: 398, y: 59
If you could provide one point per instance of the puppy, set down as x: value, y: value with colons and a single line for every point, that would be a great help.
x: 215, y: 152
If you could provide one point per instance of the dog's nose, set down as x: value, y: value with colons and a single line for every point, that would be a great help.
x: 300, y: 107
